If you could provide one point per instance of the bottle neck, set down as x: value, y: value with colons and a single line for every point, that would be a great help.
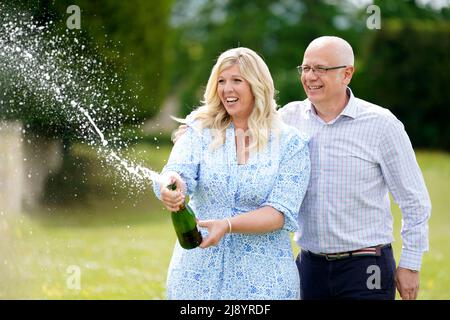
x: 173, y: 187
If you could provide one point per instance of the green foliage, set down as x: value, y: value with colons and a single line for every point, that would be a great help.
x: 129, y: 42
x: 406, y: 70
x: 278, y: 30
x: 412, y: 10
x: 71, y: 184
x: 134, y: 38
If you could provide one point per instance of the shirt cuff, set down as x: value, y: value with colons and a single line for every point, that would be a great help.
x: 410, y: 260
x: 156, y: 189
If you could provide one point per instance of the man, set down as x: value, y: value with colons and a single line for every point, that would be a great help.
x: 359, y: 152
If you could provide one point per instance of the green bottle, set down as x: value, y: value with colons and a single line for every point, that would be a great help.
x: 185, y: 225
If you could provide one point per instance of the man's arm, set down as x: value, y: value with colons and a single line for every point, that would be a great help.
x: 405, y: 181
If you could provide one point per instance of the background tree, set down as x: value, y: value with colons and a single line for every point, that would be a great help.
x: 129, y: 42
x: 278, y: 30
x: 403, y: 66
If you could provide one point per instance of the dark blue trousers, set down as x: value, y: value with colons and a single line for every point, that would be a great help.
x: 363, y: 277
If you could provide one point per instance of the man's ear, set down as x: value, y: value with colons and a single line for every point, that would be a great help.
x: 348, y: 74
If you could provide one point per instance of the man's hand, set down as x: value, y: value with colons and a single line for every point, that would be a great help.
x: 216, y: 231
x: 172, y: 199
x: 178, y: 133
x: 407, y: 282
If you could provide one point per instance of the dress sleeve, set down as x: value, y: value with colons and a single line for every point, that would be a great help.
x: 185, y: 160
x: 291, y: 182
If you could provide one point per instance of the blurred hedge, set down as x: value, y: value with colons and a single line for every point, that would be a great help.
x: 129, y: 39
x: 406, y: 69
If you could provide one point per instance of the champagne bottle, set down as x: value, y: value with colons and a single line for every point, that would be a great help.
x: 185, y: 225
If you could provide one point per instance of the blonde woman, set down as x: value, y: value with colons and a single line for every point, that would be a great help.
x: 246, y: 174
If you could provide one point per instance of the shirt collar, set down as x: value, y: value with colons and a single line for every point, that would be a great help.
x: 350, y: 110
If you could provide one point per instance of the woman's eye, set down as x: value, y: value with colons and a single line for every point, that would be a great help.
x: 237, y: 80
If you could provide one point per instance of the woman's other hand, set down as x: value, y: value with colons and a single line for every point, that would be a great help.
x: 216, y: 231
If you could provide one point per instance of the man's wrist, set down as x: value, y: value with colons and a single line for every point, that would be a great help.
x: 411, y: 270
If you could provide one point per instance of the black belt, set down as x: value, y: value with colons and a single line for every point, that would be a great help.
x: 369, y: 251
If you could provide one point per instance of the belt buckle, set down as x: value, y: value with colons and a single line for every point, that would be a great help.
x: 336, y: 256
x: 327, y: 256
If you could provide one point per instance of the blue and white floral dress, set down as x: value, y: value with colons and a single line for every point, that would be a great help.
x: 241, y: 266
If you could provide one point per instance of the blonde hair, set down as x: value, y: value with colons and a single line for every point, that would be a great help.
x: 264, y: 116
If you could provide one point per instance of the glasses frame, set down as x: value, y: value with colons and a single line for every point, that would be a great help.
x: 314, y: 69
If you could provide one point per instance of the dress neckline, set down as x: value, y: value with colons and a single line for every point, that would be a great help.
x: 231, y: 136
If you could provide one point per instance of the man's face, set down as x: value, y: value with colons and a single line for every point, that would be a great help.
x: 323, y: 88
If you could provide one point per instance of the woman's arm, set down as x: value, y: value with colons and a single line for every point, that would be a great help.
x: 182, y: 168
x: 280, y: 209
x: 262, y: 220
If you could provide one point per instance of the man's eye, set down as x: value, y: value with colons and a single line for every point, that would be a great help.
x: 306, y: 69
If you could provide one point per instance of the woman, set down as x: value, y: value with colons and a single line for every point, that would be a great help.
x: 246, y: 173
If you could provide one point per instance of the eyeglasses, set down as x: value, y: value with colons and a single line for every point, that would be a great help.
x: 318, y: 70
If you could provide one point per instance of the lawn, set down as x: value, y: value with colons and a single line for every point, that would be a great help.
x: 120, y: 241
x: 435, y: 273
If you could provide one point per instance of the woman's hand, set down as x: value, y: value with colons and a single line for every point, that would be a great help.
x: 172, y: 199
x: 216, y: 231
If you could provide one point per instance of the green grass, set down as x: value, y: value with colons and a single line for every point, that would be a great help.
x: 116, y: 261
x: 123, y: 246
x: 435, y: 272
